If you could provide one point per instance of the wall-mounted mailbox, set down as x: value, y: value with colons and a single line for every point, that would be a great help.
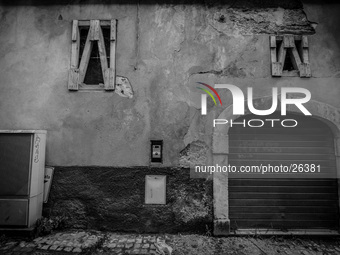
x: 156, y: 151
x: 155, y: 189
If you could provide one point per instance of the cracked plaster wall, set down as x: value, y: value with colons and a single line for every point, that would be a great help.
x: 163, y: 49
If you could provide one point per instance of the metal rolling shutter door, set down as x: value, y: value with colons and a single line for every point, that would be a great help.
x: 295, y: 203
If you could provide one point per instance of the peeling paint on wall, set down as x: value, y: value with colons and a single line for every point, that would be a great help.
x: 271, y: 21
x: 194, y: 153
x: 123, y: 87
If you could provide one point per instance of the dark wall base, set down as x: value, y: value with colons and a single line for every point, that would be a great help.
x: 113, y: 199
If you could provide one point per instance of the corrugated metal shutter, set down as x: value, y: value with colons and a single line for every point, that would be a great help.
x: 294, y: 203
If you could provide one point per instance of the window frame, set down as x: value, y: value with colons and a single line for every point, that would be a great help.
x: 287, y: 44
x: 78, y: 66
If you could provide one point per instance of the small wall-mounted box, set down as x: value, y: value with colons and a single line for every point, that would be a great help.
x: 155, y: 189
x: 156, y: 151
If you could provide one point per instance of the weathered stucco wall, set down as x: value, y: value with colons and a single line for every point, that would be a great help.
x: 163, y: 50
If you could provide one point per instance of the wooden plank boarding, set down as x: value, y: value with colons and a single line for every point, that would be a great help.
x: 86, y: 23
x: 75, y: 54
x: 78, y: 68
x: 74, y: 72
x: 102, y: 54
x: 75, y: 30
x: 288, y: 41
x: 304, y: 41
x: 110, y: 85
x: 304, y: 46
x: 94, y: 30
x: 276, y: 67
x: 85, y: 58
x: 73, y: 79
x: 288, y: 45
x: 273, y: 49
x: 281, y: 56
x: 109, y: 77
x: 296, y: 61
x: 305, y: 70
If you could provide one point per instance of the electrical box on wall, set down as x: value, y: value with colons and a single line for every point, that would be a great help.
x: 22, y: 157
x: 156, y: 151
x: 155, y: 189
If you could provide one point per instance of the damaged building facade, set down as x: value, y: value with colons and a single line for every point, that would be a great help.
x: 152, y: 56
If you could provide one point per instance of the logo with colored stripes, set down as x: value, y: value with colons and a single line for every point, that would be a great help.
x: 204, y: 97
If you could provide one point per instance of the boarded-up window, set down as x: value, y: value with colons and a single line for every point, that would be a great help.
x: 93, y: 55
x: 289, y: 56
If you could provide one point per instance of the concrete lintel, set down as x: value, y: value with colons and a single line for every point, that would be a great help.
x: 221, y: 227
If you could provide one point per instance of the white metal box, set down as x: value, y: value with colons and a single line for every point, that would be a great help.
x: 22, y: 162
x: 155, y: 189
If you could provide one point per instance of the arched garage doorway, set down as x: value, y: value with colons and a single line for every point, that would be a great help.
x: 283, y: 203
x: 320, y: 111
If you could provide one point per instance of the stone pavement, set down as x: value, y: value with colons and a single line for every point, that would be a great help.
x: 96, y: 242
x: 88, y: 242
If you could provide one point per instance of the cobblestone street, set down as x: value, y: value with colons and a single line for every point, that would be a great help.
x: 95, y: 242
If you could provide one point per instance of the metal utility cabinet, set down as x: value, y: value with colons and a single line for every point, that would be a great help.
x: 22, y: 163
